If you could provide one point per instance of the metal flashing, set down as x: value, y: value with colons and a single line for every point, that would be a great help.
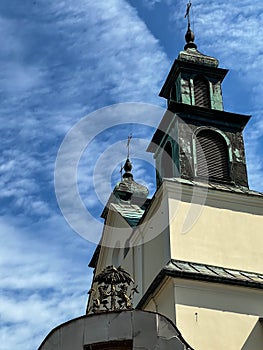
x: 203, y: 272
x: 131, y: 213
x: 217, y: 186
x: 190, y: 67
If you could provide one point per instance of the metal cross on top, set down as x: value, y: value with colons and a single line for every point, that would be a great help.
x: 128, y: 152
x: 187, y: 14
x: 128, y: 145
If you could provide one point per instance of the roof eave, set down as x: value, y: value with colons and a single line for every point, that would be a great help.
x: 168, y: 272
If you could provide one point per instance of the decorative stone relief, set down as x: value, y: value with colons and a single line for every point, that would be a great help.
x: 114, y: 290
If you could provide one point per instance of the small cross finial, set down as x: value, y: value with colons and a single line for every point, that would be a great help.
x: 127, y: 167
x: 189, y: 36
x: 128, y: 145
x: 187, y: 14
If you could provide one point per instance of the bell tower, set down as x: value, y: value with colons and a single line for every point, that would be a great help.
x: 197, y: 140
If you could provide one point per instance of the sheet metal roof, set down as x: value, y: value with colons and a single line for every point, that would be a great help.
x: 214, y: 273
x: 131, y: 213
x: 217, y: 186
x: 203, y: 272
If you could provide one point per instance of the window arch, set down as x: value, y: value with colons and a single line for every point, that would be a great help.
x: 167, y: 161
x: 201, y: 92
x: 212, y: 156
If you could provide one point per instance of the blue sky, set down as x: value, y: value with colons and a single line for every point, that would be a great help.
x: 60, y: 61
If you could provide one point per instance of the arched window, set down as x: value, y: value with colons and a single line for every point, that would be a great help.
x: 212, y: 156
x: 167, y: 161
x: 201, y: 92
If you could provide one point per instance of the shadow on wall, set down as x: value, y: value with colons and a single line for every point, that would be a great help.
x: 255, y: 339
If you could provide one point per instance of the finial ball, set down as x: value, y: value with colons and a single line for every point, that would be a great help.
x: 127, y: 166
x: 189, y: 36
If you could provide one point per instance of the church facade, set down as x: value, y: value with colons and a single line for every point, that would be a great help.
x: 194, y: 250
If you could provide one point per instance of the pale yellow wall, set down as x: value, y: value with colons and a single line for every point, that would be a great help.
x: 215, y: 329
x: 255, y: 339
x: 144, y: 262
x: 225, y: 231
x: 155, y: 257
x: 217, y: 316
x: 151, y: 306
x: 150, y: 246
x: 115, y: 233
x: 127, y: 263
x: 163, y: 301
x: 211, y: 315
x: 133, y: 263
x: 218, y: 236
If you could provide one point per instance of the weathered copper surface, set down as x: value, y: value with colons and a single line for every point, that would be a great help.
x: 114, y: 291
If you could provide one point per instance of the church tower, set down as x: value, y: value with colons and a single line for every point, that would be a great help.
x: 204, y: 142
x: 191, y: 255
x: 195, y: 248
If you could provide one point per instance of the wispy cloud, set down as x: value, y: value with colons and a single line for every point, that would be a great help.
x: 62, y: 60
x: 35, y: 293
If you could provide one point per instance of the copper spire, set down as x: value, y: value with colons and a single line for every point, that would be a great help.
x: 189, y: 36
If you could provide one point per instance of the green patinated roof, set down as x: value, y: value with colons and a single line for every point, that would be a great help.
x: 131, y: 213
x: 203, y: 272
x: 194, y: 56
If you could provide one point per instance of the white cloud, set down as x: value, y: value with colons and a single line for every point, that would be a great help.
x: 113, y: 57
x: 150, y: 3
x: 39, y: 287
x: 98, y: 53
x: 66, y: 61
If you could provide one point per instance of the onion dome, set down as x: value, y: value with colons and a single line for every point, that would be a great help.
x: 128, y: 190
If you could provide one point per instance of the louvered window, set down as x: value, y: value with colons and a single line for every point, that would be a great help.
x: 167, y: 161
x: 212, y: 156
x: 201, y: 92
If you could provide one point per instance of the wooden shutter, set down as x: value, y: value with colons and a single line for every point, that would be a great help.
x: 212, y: 156
x: 201, y: 92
